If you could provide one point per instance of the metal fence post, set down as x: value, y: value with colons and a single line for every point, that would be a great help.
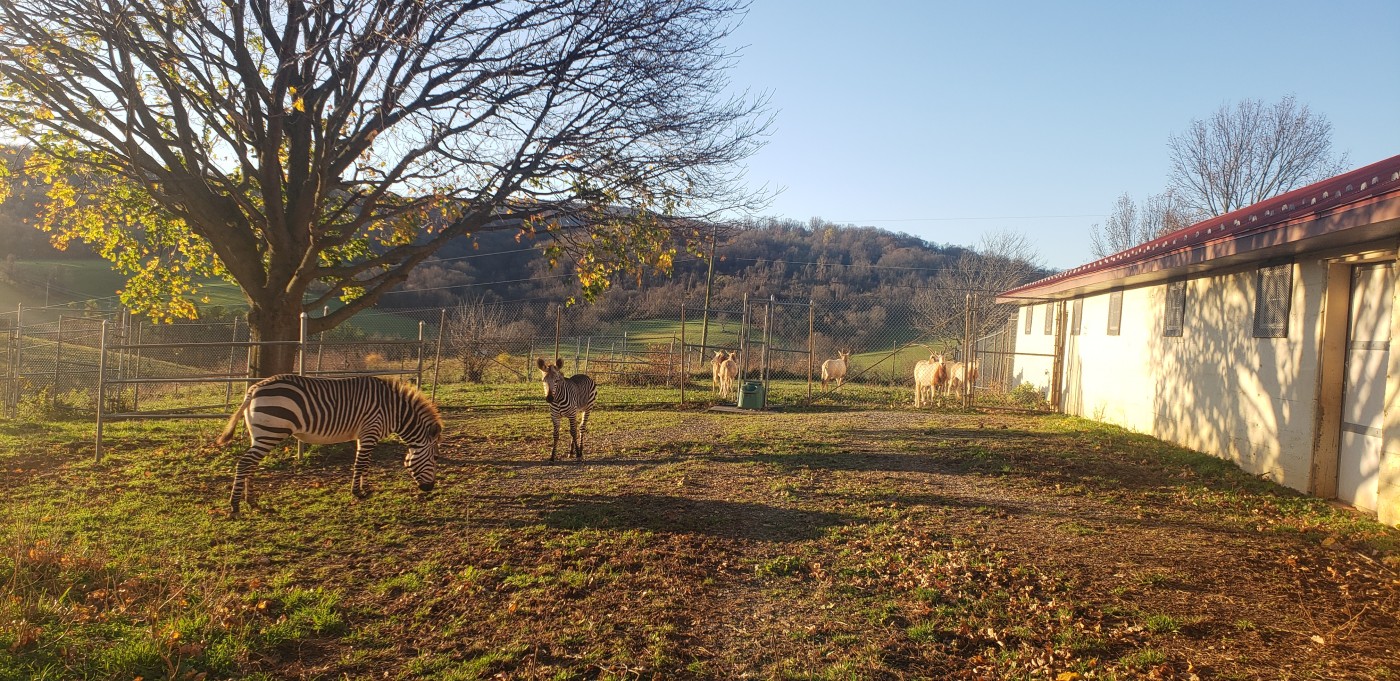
x: 811, y: 342
x: 121, y: 335
x: 57, y: 362
x: 709, y: 287
x: 101, y: 384
x: 968, y: 353
x: 682, y: 377
x: 1057, y: 364
x: 228, y: 387
x: 301, y: 347
x: 437, y: 354
x: 767, y: 344
x: 422, y: 325
x: 321, y: 340
x: 558, y: 328
x: 744, y: 340
x: 19, y: 357
x: 301, y: 367
x: 10, y: 380
x: 136, y: 370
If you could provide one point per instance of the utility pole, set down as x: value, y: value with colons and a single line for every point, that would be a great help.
x: 709, y: 286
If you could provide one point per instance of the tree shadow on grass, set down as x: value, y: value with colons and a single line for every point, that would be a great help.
x: 680, y: 515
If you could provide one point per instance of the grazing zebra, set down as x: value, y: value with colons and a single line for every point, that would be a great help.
x: 328, y: 410
x: 570, y: 398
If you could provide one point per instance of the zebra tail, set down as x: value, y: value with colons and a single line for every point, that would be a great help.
x: 227, y: 435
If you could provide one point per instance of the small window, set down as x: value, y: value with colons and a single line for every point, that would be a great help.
x: 1273, y: 297
x: 1115, y: 312
x: 1174, y: 319
x: 1030, y: 314
x: 1076, y: 317
x: 1049, y: 319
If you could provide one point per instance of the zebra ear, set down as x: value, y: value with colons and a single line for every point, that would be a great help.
x: 559, y: 362
x: 539, y: 361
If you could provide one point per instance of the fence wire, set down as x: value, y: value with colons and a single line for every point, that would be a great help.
x: 50, y: 363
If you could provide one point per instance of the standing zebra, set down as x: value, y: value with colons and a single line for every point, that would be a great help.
x: 570, y: 397
x: 328, y: 410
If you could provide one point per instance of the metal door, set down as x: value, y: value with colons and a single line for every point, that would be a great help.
x: 1363, y: 396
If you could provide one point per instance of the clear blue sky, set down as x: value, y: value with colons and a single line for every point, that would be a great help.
x: 944, y: 120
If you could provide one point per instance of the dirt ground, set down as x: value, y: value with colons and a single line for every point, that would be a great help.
x: 822, y: 544
x: 867, y: 544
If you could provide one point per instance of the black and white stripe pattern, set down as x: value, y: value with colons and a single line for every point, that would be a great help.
x: 570, y: 398
x: 328, y: 410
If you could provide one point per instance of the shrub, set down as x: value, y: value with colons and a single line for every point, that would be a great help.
x: 1028, y: 396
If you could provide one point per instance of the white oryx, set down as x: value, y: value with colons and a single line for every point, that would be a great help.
x: 929, y: 375
x: 835, y: 369
x: 961, y: 374
x: 728, y: 375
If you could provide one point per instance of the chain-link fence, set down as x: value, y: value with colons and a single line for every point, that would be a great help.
x: 52, y: 365
x: 49, y: 360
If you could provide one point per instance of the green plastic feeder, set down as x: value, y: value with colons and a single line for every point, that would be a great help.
x: 752, y: 395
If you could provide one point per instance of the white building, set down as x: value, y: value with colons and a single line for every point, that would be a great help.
x: 1261, y: 336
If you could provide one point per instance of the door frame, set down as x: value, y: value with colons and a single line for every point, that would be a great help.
x: 1332, y: 357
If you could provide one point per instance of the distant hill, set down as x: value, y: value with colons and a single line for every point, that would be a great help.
x: 782, y: 258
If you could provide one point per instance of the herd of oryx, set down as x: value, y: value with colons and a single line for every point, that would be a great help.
x: 931, y: 376
x: 936, y: 372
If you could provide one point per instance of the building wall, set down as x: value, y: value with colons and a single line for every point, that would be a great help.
x: 1109, y: 378
x: 1250, y: 400
x: 1217, y: 388
x: 1388, y: 487
x: 1028, y: 368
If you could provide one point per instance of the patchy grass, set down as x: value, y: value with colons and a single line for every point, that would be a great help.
x: 810, y: 544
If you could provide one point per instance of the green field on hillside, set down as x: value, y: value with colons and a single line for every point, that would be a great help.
x: 67, y: 287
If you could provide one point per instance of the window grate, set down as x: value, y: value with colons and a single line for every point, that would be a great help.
x: 1174, y: 319
x: 1115, y: 313
x: 1273, y: 300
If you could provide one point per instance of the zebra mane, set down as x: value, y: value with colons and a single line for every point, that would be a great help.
x: 421, y: 403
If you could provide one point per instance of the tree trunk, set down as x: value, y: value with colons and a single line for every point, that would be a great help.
x: 278, y: 322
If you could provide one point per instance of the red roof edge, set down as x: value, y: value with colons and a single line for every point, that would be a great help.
x: 1328, y: 196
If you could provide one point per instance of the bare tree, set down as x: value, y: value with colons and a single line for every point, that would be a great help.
x: 319, y: 151
x: 1128, y: 224
x: 474, y: 335
x: 1002, y: 260
x: 1249, y: 152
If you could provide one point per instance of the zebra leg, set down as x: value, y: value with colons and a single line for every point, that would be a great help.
x: 363, y: 447
x: 582, y: 428
x: 554, y: 450
x: 575, y: 446
x: 242, y: 490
